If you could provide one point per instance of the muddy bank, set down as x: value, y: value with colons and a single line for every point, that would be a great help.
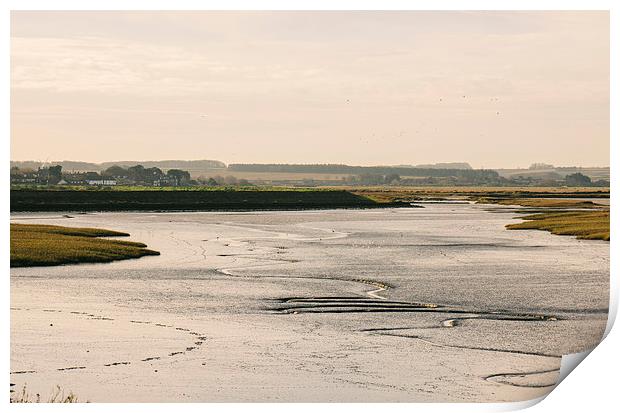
x: 433, y: 304
x: 188, y: 200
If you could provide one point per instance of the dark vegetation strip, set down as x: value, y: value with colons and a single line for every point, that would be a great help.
x: 45, y: 245
x: 70, y: 200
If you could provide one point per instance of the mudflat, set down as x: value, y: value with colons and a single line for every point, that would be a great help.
x: 440, y: 303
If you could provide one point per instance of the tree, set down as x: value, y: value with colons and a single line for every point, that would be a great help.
x: 54, y: 174
x: 116, y: 172
x: 136, y: 172
x: 152, y: 174
x: 92, y: 176
x: 141, y: 174
x: 230, y: 180
x: 578, y: 179
x: 392, y: 178
x: 182, y: 177
x: 601, y: 182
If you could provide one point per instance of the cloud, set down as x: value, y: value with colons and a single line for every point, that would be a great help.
x: 107, y: 66
x: 325, y: 78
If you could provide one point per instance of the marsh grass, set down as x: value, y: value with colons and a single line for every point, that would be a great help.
x: 525, y: 196
x: 583, y: 224
x: 57, y: 396
x: 541, y: 202
x: 44, y: 245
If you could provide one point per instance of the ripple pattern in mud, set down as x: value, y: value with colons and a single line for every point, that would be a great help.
x: 533, y: 379
x: 297, y: 305
x: 352, y: 304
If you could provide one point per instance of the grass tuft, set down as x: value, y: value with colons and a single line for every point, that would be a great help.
x: 57, y: 396
x: 583, y: 224
x: 542, y: 202
x: 45, y: 245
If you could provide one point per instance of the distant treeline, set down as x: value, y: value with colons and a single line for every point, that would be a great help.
x: 475, y: 174
x: 169, y: 164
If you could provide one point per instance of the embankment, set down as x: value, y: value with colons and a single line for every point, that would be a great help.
x: 188, y: 200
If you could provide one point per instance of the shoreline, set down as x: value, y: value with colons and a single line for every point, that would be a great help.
x: 226, y: 208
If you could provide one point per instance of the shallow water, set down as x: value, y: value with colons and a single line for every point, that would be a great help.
x: 425, y: 304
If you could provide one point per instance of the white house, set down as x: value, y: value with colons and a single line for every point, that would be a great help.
x: 102, y: 182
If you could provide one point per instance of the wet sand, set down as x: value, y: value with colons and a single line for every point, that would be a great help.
x: 428, y: 304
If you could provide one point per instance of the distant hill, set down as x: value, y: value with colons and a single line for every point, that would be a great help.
x: 96, y: 167
x: 446, y: 165
x: 440, y: 165
x: 170, y: 164
x: 555, y: 172
x: 66, y: 165
x: 357, y: 170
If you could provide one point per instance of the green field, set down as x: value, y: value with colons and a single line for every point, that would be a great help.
x: 44, y: 245
x: 141, y: 188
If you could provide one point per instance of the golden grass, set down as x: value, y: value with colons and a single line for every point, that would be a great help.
x: 583, y: 224
x: 452, y: 190
x: 44, y: 245
x: 499, y: 195
x: 542, y: 202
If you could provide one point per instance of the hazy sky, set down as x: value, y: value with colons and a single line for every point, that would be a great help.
x: 496, y: 89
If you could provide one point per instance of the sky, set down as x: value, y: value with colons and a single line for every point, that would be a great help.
x: 495, y: 89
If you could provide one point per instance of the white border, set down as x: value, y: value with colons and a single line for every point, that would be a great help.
x: 594, y: 384
x: 310, y: 5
